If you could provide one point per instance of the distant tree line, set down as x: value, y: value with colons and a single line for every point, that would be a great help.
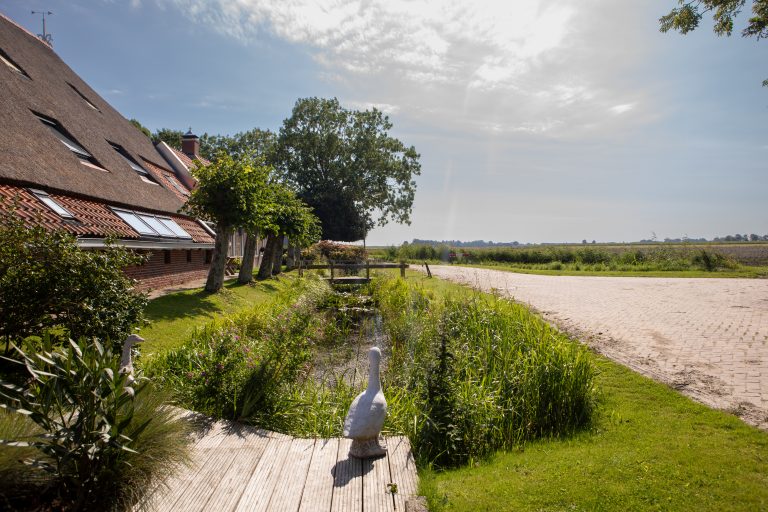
x: 459, y: 243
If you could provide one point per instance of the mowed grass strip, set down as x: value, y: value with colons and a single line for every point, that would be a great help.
x: 649, y: 448
x: 173, y: 317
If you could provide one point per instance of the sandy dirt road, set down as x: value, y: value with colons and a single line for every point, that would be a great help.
x: 708, y: 338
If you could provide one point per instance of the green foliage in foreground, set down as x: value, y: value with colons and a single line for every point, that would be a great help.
x: 93, y: 440
x: 49, y: 284
x: 650, y: 448
x: 502, y: 377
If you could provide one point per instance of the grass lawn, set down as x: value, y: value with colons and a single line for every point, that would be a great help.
x: 743, y: 272
x: 650, y: 448
x: 173, y: 317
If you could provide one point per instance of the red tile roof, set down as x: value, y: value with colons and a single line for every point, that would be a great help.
x: 92, y: 218
x: 168, y: 180
x: 188, y: 162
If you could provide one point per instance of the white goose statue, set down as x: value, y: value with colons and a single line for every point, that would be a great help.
x: 126, y: 361
x: 366, y: 414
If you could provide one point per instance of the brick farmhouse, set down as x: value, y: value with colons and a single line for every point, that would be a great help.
x: 68, y: 160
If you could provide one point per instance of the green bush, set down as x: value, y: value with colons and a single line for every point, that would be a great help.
x: 47, y: 283
x: 96, y: 440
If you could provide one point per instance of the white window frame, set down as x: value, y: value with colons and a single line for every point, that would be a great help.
x: 144, y: 224
x: 51, y: 203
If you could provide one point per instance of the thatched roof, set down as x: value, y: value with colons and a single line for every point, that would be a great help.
x: 31, y: 155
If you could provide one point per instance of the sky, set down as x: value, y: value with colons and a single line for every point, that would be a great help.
x: 536, y: 120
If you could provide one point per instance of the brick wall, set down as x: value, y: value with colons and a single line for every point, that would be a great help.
x: 169, y: 268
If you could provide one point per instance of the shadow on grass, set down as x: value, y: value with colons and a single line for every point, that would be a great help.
x: 197, y: 302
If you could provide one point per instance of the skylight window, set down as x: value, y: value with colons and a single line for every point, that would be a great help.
x: 86, y: 100
x: 175, y: 184
x: 9, y: 62
x: 52, y: 204
x: 69, y: 142
x: 142, y: 172
x: 152, y: 225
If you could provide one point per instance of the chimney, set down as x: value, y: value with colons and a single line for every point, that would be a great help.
x: 190, y: 144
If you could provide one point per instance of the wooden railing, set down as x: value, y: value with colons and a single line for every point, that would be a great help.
x: 351, y: 265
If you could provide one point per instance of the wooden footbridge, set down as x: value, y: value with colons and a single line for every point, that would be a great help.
x: 237, y: 467
x: 341, y: 270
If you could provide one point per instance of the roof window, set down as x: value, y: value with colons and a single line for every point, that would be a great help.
x: 86, y: 100
x: 51, y: 203
x: 11, y: 64
x: 71, y: 144
x: 175, y: 183
x: 152, y: 225
x: 142, y: 172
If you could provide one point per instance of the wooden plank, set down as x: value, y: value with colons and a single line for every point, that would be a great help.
x: 318, y: 489
x: 170, y: 489
x: 196, y: 493
x: 376, y: 495
x: 293, y: 477
x: 402, y: 469
x: 347, y: 481
x: 264, y: 479
x: 213, y: 435
x: 231, y: 485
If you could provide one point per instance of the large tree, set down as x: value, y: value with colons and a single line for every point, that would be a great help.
x: 229, y: 193
x: 285, y: 215
x: 344, y: 164
x: 688, y: 15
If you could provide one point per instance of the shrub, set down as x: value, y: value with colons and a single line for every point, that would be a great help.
x: 711, y: 261
x: 339, y: 252
x: 94, y: 435
x: 47, y: 283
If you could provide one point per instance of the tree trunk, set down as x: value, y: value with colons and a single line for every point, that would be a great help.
x: 267, y: 260
x: 278, y: 257
x: 219, y: 263
x: 294, y: 255
x: 249, y: 255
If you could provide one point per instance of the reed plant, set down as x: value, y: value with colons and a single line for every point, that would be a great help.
x: 465, y: 375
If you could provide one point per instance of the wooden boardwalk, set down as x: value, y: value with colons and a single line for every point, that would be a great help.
x: 241, y: 468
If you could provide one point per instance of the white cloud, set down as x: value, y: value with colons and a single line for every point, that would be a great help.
x: 620, y: 109
x: 533, y: 66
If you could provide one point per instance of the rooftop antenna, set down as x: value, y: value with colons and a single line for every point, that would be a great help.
x: 45, y: 36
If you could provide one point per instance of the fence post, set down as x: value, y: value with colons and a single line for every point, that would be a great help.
x: 330, y: 262
x: 367, y: 270
x: 402, y: 270
x: 429, y: 274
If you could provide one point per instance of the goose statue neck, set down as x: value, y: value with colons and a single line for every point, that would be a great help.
x: 374, y: 361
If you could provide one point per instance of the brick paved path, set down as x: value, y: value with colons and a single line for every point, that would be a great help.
x: 707, y: 338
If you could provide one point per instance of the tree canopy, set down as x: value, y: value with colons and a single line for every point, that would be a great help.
x: 688, y: 15
x: 242, y: 144
x: 229, y: 192
x: 346, y: 167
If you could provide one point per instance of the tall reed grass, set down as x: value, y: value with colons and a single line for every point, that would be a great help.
x: 465, y: 376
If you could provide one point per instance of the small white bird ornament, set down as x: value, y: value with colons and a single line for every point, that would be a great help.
x: 366, y: 414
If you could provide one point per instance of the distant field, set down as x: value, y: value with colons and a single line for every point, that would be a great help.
x: 744, y: 253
